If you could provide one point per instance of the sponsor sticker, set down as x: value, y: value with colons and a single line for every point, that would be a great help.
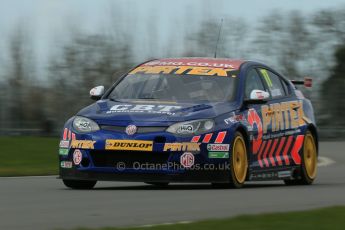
x: 83, y: 144
x: 77, y: 157
x: 218, y: 147
x: 283, y: 174
x: 234, y: 118
x: 187, y: 160
x: 129, y: 145
x: 263, y: 176
x: 184, y: 146
x: 63, y: 151
x: 144, y: 108
x: 189, y: 63
x: 185, y: 129
x: 64, y: 144
x: 218, y: 154
x: 282, y: 116
x: 185, y: 70
x: 66, y: 164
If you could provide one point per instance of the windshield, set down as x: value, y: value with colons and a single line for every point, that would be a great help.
x: 175, y: 88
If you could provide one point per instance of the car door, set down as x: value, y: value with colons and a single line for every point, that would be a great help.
x: 278, y: 125
x: 254, y: 81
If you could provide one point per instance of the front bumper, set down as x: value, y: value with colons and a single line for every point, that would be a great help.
x: 159, y: 162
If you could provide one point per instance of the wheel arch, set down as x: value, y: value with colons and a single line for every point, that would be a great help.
x: 313, y: 130
x: 245, y: 135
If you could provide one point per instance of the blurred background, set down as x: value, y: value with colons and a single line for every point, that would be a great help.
x: 53, y: 52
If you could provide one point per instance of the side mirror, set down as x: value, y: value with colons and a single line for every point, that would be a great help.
x: 257, y: 97
x: 97, y: 92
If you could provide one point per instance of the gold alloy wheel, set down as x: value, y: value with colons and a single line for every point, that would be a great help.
x: 239, y: 159
x: 310, y: 156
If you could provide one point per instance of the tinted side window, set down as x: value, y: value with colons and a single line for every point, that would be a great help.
x: 286, y: 87
x: 253, y: 81
x: 274, y: 83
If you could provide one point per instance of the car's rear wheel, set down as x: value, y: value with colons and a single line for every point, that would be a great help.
x: 79, y: 184
x: 308, y: 168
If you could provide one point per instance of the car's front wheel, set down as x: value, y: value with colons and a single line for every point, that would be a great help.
x: 79, y: 184
x: 238, y: 161
x: 308, y: 168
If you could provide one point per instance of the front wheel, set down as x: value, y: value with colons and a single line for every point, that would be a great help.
x: 238, y: 161
x: 308, y: 169
x: 79, y: 184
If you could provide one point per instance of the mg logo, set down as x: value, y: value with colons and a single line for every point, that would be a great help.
x: 77, y: 157
x: 131, y: 129
x: 187, y: 160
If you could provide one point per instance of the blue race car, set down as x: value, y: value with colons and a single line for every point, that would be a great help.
x: 218, y: 121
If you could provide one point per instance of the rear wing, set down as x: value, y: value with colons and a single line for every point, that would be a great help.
x: 307, y: 82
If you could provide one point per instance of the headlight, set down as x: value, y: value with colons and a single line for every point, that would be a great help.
x: 84, y: 125
x: 191, y: 127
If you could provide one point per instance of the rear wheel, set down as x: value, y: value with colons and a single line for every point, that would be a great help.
x: 308, y: 169
x: 79, y: 184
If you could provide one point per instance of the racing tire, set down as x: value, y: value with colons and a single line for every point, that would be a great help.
x: 158, y: 184
x: 308, y: 170
x: 238, y: 161
x: 79, y: 184
x: 238, y: 164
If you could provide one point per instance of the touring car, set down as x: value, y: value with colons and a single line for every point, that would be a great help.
x: 218, y: 121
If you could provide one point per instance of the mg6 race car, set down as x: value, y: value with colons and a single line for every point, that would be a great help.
x: 219, y: 121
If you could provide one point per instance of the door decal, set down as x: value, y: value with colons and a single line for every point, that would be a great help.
x: 274, y: 149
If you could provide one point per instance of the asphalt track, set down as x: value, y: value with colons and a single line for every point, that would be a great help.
x: 44, y: 203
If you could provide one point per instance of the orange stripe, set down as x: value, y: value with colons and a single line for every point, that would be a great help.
x: 69, y: 135
x: 260, y: 153
x: 287, y: 147
x: 73, y: 136
x: 65, y: 134
x: 295, y: 150
x: 272, y: 151
x: 195, y: 139
x: 279, y: 149
x: 266, y: 152
x: 220, y: 137
x: 207, y: 138
x: 261, y: 147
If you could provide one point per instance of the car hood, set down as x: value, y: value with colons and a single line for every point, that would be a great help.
x: 153, y: 111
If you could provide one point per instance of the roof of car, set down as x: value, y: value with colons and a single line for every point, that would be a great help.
x: 197, y: 61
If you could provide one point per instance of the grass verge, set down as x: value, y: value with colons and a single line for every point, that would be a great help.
x: 28, y: 156
x: 319, y: 219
